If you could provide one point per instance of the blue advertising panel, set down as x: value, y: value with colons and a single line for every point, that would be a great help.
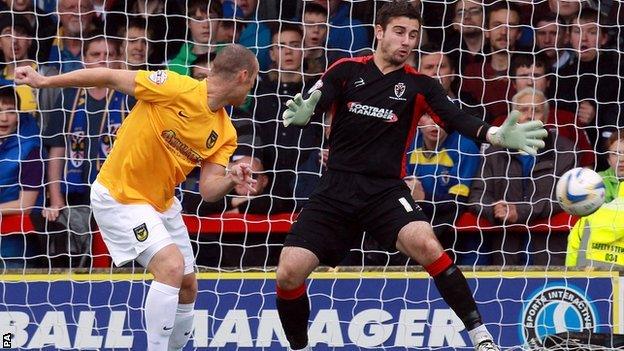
x: 350, y: 311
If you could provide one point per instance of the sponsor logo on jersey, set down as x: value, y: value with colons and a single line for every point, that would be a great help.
x: 387, y: 115
x: 141, y: 233
x: 158, y: 77
x: 212, y: 139
x: 178, y: 145
x: 359, y: 82
x: 556, y: 309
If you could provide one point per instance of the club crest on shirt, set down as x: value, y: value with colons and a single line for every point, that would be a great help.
x: 399, y: 89
x: 141, y: 232
x: 107, y: 140
x: 212, y: 139
x: 158, y: 77
x: 77, y: 148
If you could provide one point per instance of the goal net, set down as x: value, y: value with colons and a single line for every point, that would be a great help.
x: 494, y: 211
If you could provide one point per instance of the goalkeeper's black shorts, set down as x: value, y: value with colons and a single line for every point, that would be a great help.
x: 345, y: 205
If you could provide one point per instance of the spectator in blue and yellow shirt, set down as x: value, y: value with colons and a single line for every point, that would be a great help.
x: 85, y: 125
x: 21, y: 175
x: 440, y: 168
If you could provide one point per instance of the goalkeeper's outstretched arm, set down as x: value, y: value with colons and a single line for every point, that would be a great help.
x: 116, y: 79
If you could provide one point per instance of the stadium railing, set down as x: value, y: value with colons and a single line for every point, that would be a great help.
x: 229, y: 223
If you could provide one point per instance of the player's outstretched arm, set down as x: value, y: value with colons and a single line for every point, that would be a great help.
x: 215, y: 182
x: 527, y: 137
x: 300, y: 110
x: 116, y: 79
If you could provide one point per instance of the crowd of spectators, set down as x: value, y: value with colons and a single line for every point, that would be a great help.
x: 559, y: 61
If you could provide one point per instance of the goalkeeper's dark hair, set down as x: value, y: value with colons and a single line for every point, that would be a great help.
x: 232, y: 59
x: 397, y: 8
x: 8, y: 95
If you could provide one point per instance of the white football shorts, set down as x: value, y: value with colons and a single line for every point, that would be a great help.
x: 138, y: 231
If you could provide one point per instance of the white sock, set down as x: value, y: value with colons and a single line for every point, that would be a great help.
x: 183, y: 326
x: 479, y: 334
x: 160, y: 312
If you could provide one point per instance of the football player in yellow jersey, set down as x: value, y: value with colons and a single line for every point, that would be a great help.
x: 177, y: 124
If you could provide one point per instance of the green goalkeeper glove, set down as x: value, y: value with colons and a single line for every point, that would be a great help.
x: 300, y: 110
x: 525, y: 137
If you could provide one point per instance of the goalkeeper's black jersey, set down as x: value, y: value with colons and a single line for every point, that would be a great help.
x: 375, y: 116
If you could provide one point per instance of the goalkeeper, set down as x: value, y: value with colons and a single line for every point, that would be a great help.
x: 177, y: 124
x: 377, y: 101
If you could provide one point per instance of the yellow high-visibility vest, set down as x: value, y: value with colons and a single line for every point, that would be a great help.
x: 597, y: 240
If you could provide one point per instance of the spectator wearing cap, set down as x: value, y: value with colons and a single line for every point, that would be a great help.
x: 21, y: 175
x: 256, y: 35
x: 203, y: 23
x: 44, y: 25
x: 15, y: 39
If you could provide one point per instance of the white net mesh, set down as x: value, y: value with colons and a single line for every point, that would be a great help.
x: 495, y: 211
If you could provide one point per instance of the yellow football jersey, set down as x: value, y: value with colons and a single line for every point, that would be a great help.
x: 169, y: 131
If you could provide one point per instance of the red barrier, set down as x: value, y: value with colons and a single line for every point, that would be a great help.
x: 561, y: 222
x: 230, y: 223
x: 280, y: 224
x: 233, y: 223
